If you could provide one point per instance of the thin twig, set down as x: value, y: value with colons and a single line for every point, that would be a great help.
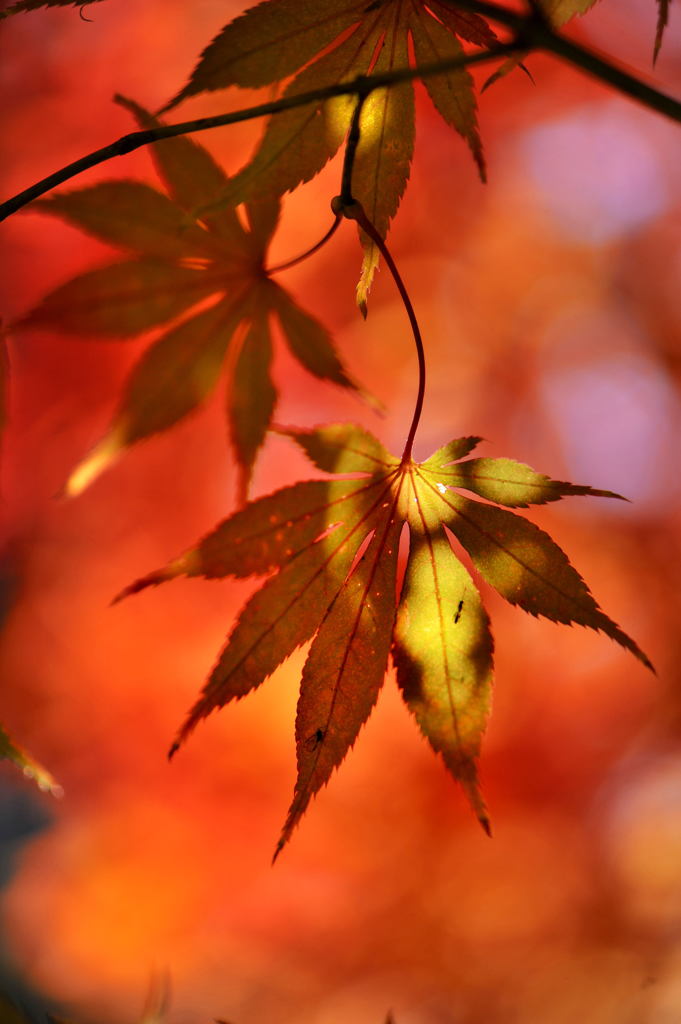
x: 135, y: 140
x: 530, y: 34
x: 538, y: 34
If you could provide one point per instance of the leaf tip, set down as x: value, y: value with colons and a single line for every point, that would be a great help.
x: 286, y: 831
x: 193, y: 717
x: 479, y: 158
x: 242, y: 487
x: 662, y: 19
x: 373, y: 401
x: 132, y: 588
x: 606, y: 625
x: 486, y: 825
x: 152, y: 579
x: 471, y: 787
x: 643, y: 657
x: 173, y: 102
x: 102, y: 456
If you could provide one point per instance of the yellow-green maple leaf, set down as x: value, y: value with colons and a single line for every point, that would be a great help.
x: 333, y: 546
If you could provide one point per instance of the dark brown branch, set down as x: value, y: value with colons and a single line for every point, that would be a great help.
x: 135, y: 140
x: 531, y: 33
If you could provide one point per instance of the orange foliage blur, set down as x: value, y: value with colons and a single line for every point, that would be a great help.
x: 549, y: 304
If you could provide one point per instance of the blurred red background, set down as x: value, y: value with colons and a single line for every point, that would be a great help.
x: 549, y: 304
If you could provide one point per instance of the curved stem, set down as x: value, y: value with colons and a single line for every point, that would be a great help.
x: 308, y: 252
x: 345, y: 205
x: 355, y: 211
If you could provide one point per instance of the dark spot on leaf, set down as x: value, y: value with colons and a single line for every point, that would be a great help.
x: 313, y: 741
x: 457, y: 614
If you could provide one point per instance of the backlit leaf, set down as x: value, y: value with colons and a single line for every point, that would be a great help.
x: 263, y: 217
x: 297, y: 143
x: 452, y: 93
x: 343, y: 448
x: 269, y: 42
x: 309, y: 341
x: 28, y: 765
x: 511, y: 483
x: 264, y: 535
x: 345, y: 667
x: 451, y: 452
x: 122, y: 300
x: 526, y: 567
x: 386, y: 146
x: 506, y: 67
x: 177, y: 372
x: 171, y: 379
x: 288, y: 609
x: 181, y: 261
x: 334, y: 546
x: 465, y: 25
x: 190, y: 175
x: 443, y: 653
x: 279, y: 37
x: 253, y: 396
x: 133, y: 216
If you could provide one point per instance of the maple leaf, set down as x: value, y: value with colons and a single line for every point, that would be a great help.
x: 29, y: 766
x: 332, y: 548
x: 274, y: 39
x: 175, y: 264
x: 33, y: 5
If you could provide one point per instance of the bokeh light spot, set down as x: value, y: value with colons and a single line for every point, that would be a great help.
x: 595, y: 172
